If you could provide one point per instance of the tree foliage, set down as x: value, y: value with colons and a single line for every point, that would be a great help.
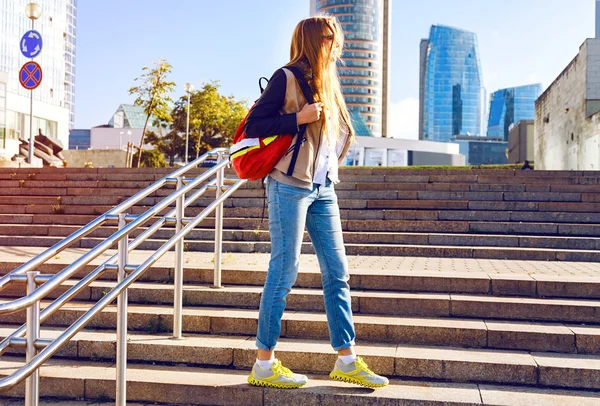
x: 214, y: 119
x: 153, y: 95
x: 151, y: 158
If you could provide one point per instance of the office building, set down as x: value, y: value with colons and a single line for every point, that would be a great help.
x: 364, y: 74
x: 450, y: 85
x: 597, y: 18
x: 53, y: 100
x: 482, y: 150
x: 509, y: 106
x: 520, y: 142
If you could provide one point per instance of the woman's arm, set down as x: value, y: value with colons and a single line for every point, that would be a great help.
x: 265, y: 118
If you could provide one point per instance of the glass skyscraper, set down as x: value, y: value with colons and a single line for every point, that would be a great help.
x: 54, y: 99
x: 509, y: 106
x: 450, y: 85
x: 364, y: 75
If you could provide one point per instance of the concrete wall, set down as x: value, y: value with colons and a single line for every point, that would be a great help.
x: 566, y: 136
x: 100, y: 158
x: 432, y: 158
x: 520, y: 142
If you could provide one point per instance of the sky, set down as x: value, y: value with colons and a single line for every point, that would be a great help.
x: 238, y: 41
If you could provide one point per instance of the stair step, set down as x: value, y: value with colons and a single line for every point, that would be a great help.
x: 194, y: 385
x: 411, y: 250
x: 401, y: 361
x: 455, y: 331
x: 497, y: 281
x: 406, y: 304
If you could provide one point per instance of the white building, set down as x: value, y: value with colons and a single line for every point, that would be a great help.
x: 378, y: 151
x: 53, y: 100
x: 125, y: 126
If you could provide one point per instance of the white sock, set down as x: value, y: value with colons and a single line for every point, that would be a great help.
x: 347, y: 359
x: 265, y: 364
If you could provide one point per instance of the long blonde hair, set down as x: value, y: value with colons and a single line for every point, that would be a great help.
x: 307, y: 47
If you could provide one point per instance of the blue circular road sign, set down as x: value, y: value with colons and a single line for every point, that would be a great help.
x: 31, y: 44
x: 30, y: 75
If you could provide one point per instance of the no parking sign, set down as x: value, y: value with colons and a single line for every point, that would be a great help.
x: 30, y: 75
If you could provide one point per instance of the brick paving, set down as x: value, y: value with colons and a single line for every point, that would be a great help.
x: 381, y: 263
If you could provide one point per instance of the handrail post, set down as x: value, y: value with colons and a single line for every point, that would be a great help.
x: 121, y: 395
x: 32, y: 384
x: 219, y: 225
x: 178, y: 277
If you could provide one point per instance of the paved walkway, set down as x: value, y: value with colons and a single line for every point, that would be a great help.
x: 404, y: 264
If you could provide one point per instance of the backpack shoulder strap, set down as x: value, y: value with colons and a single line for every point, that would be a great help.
x: 308, y: 95
x: 304, y: 86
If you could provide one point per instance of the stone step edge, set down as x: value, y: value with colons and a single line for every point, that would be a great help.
x: 352, y: 232
x: 187, y: 385
x: 386, y: 359
x: 400, y: 281
x: 484, y: 333
x: 368, y: 246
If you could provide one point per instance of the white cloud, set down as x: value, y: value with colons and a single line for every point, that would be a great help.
x: 404, y: 119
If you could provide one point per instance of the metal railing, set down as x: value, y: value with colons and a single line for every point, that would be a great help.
x: 39, y: 350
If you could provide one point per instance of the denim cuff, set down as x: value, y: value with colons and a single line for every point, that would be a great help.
x: 263, y: 347
x: 346, y: 345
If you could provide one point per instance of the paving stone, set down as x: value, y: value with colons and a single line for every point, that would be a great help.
x: 503, y: 206
x: 509, y: 284
x: 503, y: 395
x: 515, y: 308
x: 530, y: 336
x: 475, y: 215
x: 426, y: 282
x: 542, y: 197
x: 405, y: 304
x: 461, y: 365
x: 572, y: 286
x: 587, y: 338
x: 568, y: 370
x: 579, y: 229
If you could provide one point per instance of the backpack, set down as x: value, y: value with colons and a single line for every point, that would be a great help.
x: 255, y: 158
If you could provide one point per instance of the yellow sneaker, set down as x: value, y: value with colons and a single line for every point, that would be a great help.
x: 277, y: 376
x: 357, y: 372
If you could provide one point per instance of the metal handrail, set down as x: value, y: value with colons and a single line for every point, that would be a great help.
x: 59, y: 278
x: 95, y: 274
x: 79, y: 234
x: 48, y: 348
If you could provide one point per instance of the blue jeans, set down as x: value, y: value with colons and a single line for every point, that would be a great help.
x: 290, y: 209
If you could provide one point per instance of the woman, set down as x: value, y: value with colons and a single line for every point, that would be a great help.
x: 304, y: 196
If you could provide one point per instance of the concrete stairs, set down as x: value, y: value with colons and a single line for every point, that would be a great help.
x: 442, y: 338
x: 501, y: 214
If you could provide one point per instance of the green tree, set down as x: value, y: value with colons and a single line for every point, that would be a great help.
x: 214, y: 119
x: 152, y: 94
x: 151, y: 158
x: 171, y: 145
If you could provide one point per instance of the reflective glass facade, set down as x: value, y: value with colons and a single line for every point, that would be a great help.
x: 451, y: 85
x: 130, y: 116
x: 57, y: 25
x: 509, y: 106
x: 79, y: 139
x: 364, y: 73
x: 482, y: 152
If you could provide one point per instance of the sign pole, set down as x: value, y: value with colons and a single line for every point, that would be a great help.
x: 31, y: 143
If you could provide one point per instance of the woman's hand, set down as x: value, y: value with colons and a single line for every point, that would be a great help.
x: 309, y: 113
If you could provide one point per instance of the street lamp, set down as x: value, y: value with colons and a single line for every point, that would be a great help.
x: 33, y: 12
x: 188, y: 89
